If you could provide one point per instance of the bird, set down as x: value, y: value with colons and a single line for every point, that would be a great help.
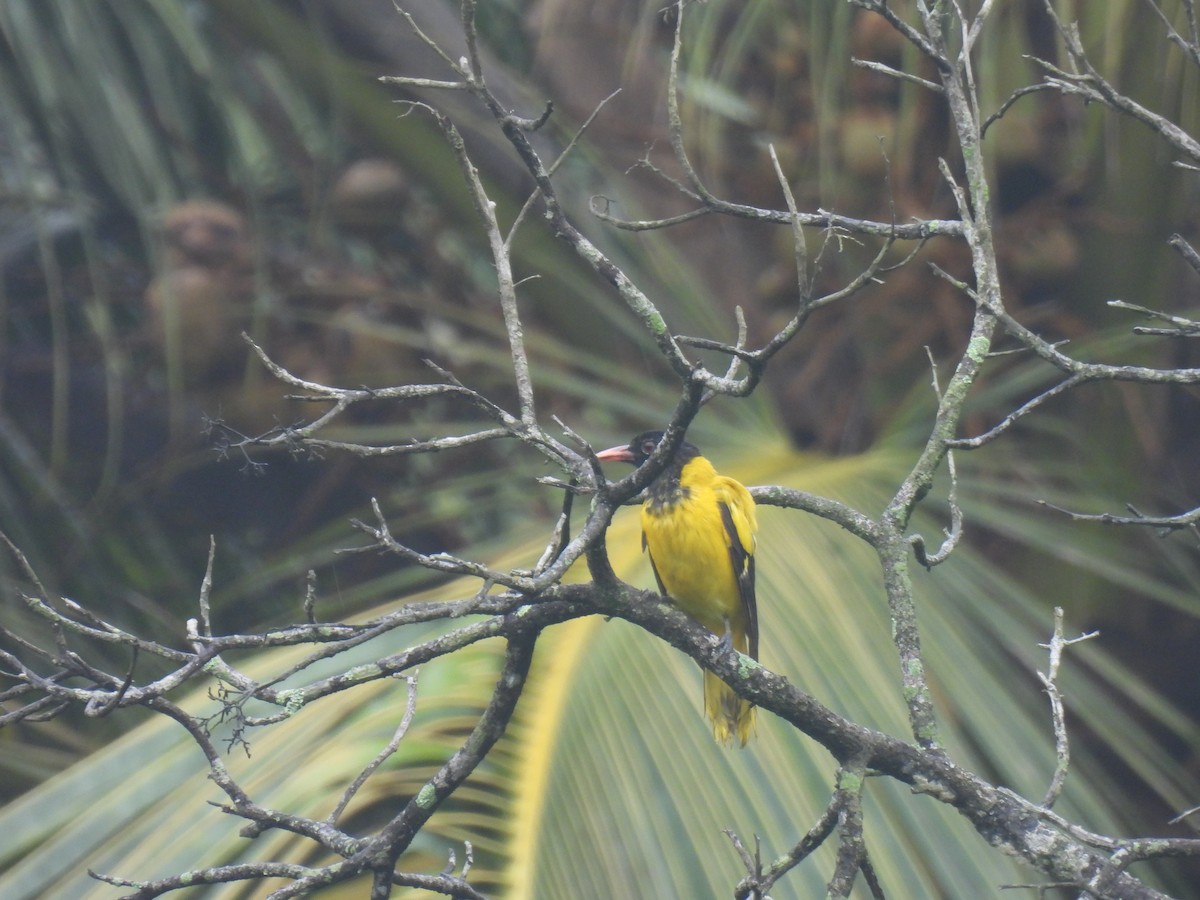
x: 698, y: 528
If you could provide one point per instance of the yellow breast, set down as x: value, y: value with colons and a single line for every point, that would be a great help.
x: 689, y: 543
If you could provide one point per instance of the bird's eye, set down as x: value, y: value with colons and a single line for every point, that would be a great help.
x: 648, y: 447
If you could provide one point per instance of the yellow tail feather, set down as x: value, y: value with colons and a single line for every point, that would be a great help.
x: 728, y: 712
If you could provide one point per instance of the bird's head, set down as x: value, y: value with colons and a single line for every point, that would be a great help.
x: 639, y: 449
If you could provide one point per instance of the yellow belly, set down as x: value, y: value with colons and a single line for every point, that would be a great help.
x: 690, y: 550
x: 689, y: 542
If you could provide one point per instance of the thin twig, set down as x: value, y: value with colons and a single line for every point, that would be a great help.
x: 206, y: 589
x: 1049, y: 679
x: 554, y: 166
x: 899, y: 75
x: 954, y: 532
x: 410, y: 709
x: 757, y: 883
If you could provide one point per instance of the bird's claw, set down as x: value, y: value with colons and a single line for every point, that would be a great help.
x: 726, y: 644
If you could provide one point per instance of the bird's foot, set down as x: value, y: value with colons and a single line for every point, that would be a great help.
x: 726, y: 644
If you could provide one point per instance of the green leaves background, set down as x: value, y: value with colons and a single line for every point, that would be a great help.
x: 608, y: 784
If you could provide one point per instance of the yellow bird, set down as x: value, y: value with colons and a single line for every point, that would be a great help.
x: 699, y: 528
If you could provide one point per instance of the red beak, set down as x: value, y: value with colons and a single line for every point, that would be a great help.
x: 616, y: 454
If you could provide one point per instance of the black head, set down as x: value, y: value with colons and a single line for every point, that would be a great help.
x: 639, y: 449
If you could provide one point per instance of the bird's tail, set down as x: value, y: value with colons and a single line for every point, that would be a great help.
x: 730, y: 714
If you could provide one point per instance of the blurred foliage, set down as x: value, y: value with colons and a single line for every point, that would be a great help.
x: 175, y: 172
x: 533, y: 813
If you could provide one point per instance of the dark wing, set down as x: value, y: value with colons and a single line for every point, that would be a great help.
x: 743, y: 567
x: 662, y: 590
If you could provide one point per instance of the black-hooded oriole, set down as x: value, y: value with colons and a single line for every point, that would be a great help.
x: 698, y: 528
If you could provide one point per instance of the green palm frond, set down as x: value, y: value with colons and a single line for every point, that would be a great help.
x: 609, y: 781
x: 668, y: 790
x: 156, y: 820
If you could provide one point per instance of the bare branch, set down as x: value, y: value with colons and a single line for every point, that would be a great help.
x: 1049, y: 679
x: 1186, y: 250
x: 206, y: 590
x: 911, y: 34
x: 410, y: 709
x: 1089, y: 84
x: 1102, y: 884
x: 954, y: 533
x: 452, y: 64
x: 804, y: 284
x: 757, y: 883
x: 394, y: 837
x: 517, y: 605
x: 852, y: 854
x: 920, y: 229
x: 674, y: 120
x: 562, y: 157
x: 1181, y: 327
x: 1049, y: 351
x: 898, y: 74
x: 858, y: 524
x: 425, y: 83
x: 1012, y: 418
x: 1171, y: 523
x: 1013, y: 98
x: 1190, y: 45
